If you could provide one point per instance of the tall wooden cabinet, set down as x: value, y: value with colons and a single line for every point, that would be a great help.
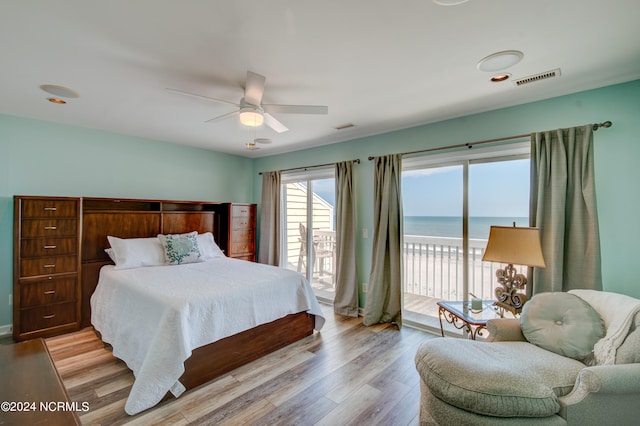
x: 59, y: 247
x: 46, y: 292
x: 239, y: 220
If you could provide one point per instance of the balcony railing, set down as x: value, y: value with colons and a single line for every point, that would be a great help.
x: 433, y: 268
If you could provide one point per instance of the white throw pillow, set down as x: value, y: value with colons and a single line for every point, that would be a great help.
x: 208, y: 247
x: 562, y: 323
x: 181, y: 248
x: 130, y: 253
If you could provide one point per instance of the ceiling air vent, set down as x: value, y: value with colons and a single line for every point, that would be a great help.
x: 537, y: 77
x: 344, y: 126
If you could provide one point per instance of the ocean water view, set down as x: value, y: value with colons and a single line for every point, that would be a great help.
x: 451, y: 226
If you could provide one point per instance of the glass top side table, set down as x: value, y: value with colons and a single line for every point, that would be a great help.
x: 462, y: 317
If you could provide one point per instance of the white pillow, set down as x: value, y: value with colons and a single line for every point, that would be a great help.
x: 136, y: 252
x: 562, y: 323
x: 208, y: 247
x: 111, y: 253
x: 181, y: 248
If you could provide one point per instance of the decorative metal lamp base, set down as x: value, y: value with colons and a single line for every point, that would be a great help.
x: 507, y: 296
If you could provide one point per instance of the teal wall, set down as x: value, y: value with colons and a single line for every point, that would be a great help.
x: 617, y: 151
x: 40, y: 158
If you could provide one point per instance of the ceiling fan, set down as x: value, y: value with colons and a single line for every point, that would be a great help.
x: 253, y: 112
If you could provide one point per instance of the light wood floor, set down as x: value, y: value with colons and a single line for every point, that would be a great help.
x: 347, y: 374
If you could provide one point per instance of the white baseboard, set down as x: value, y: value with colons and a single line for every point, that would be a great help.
x: 6, y: 330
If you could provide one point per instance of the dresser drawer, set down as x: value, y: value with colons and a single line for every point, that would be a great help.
x: 240, y: 211
x: 48, y: 247
x: 47, y: 316
x: 49, y: 228
x: 49, y: 208
x: 48, y: 265
x: 242, y: 236
x: 247, y: 257
x: 244, y: 247
x: 47, y: 291
x: 242, y: 222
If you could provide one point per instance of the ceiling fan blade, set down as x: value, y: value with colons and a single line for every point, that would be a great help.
x: 254, y: 88
x: 270, y: 121
x: 222, y: 117
x: 296, y: 109
x: 200, y: 96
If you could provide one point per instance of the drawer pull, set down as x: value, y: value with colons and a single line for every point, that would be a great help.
x: 50, y: 228
x: 50, y: 265
x: 48, y: 316
x: 50, y: 209
x: 50, y: 247
x: 50, y: 292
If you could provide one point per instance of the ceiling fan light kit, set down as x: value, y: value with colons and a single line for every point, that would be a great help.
x: 251, y: 117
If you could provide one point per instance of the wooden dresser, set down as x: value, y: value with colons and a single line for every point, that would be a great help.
x: 46, y: 294
x: 241, y: 230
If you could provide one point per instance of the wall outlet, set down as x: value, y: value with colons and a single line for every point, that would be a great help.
x: 10, y: 299
x: 364, y: 287
x: 365, y: 233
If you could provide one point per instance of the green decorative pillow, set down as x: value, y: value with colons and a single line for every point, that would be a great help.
x: 562, y: 323
x: 181, y: 248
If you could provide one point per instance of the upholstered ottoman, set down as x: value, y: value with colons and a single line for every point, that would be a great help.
x: 488, y: 378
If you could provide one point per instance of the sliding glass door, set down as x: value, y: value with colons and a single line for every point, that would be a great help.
x: 450, y: 203
x: 309, y: 223
x: 433, y: 267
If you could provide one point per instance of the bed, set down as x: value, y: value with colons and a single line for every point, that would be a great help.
x: 148, y: 312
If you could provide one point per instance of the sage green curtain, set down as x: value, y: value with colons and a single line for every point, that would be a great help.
x: 563, y: 206
x: 346, y: 296
x: 383, y: 300
x: 269, y: 250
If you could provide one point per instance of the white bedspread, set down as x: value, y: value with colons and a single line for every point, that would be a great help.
x: 155, y: 316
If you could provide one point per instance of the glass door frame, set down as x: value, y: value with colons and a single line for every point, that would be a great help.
x: 306, y: 177
x: 465, y: 159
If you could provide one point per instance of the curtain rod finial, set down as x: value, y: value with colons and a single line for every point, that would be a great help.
x: 606, y: 124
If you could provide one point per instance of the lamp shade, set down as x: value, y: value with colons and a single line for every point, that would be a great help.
x: 510, y: 244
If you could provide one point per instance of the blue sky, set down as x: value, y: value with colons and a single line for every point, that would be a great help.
x: 499, y: 189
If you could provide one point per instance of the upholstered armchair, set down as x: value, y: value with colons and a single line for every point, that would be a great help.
x: 570, y: 359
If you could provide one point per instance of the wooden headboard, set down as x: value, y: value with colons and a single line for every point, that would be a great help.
x: 129, y: 218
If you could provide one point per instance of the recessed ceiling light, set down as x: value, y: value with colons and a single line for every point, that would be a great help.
x: 57, y: 101
x: 500, y: 77
x: 59, y: 91
x: 449, y: 2
x: 500, y: 60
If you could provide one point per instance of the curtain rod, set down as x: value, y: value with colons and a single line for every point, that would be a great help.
x: 471, y: 144
x: 357, y: 161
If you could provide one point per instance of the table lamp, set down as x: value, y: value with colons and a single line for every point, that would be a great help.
x: 513, y: 245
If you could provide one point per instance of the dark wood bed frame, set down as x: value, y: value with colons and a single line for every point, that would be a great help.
x: 130, y: 218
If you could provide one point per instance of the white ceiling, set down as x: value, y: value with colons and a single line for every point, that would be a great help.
x: 381, y: 65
